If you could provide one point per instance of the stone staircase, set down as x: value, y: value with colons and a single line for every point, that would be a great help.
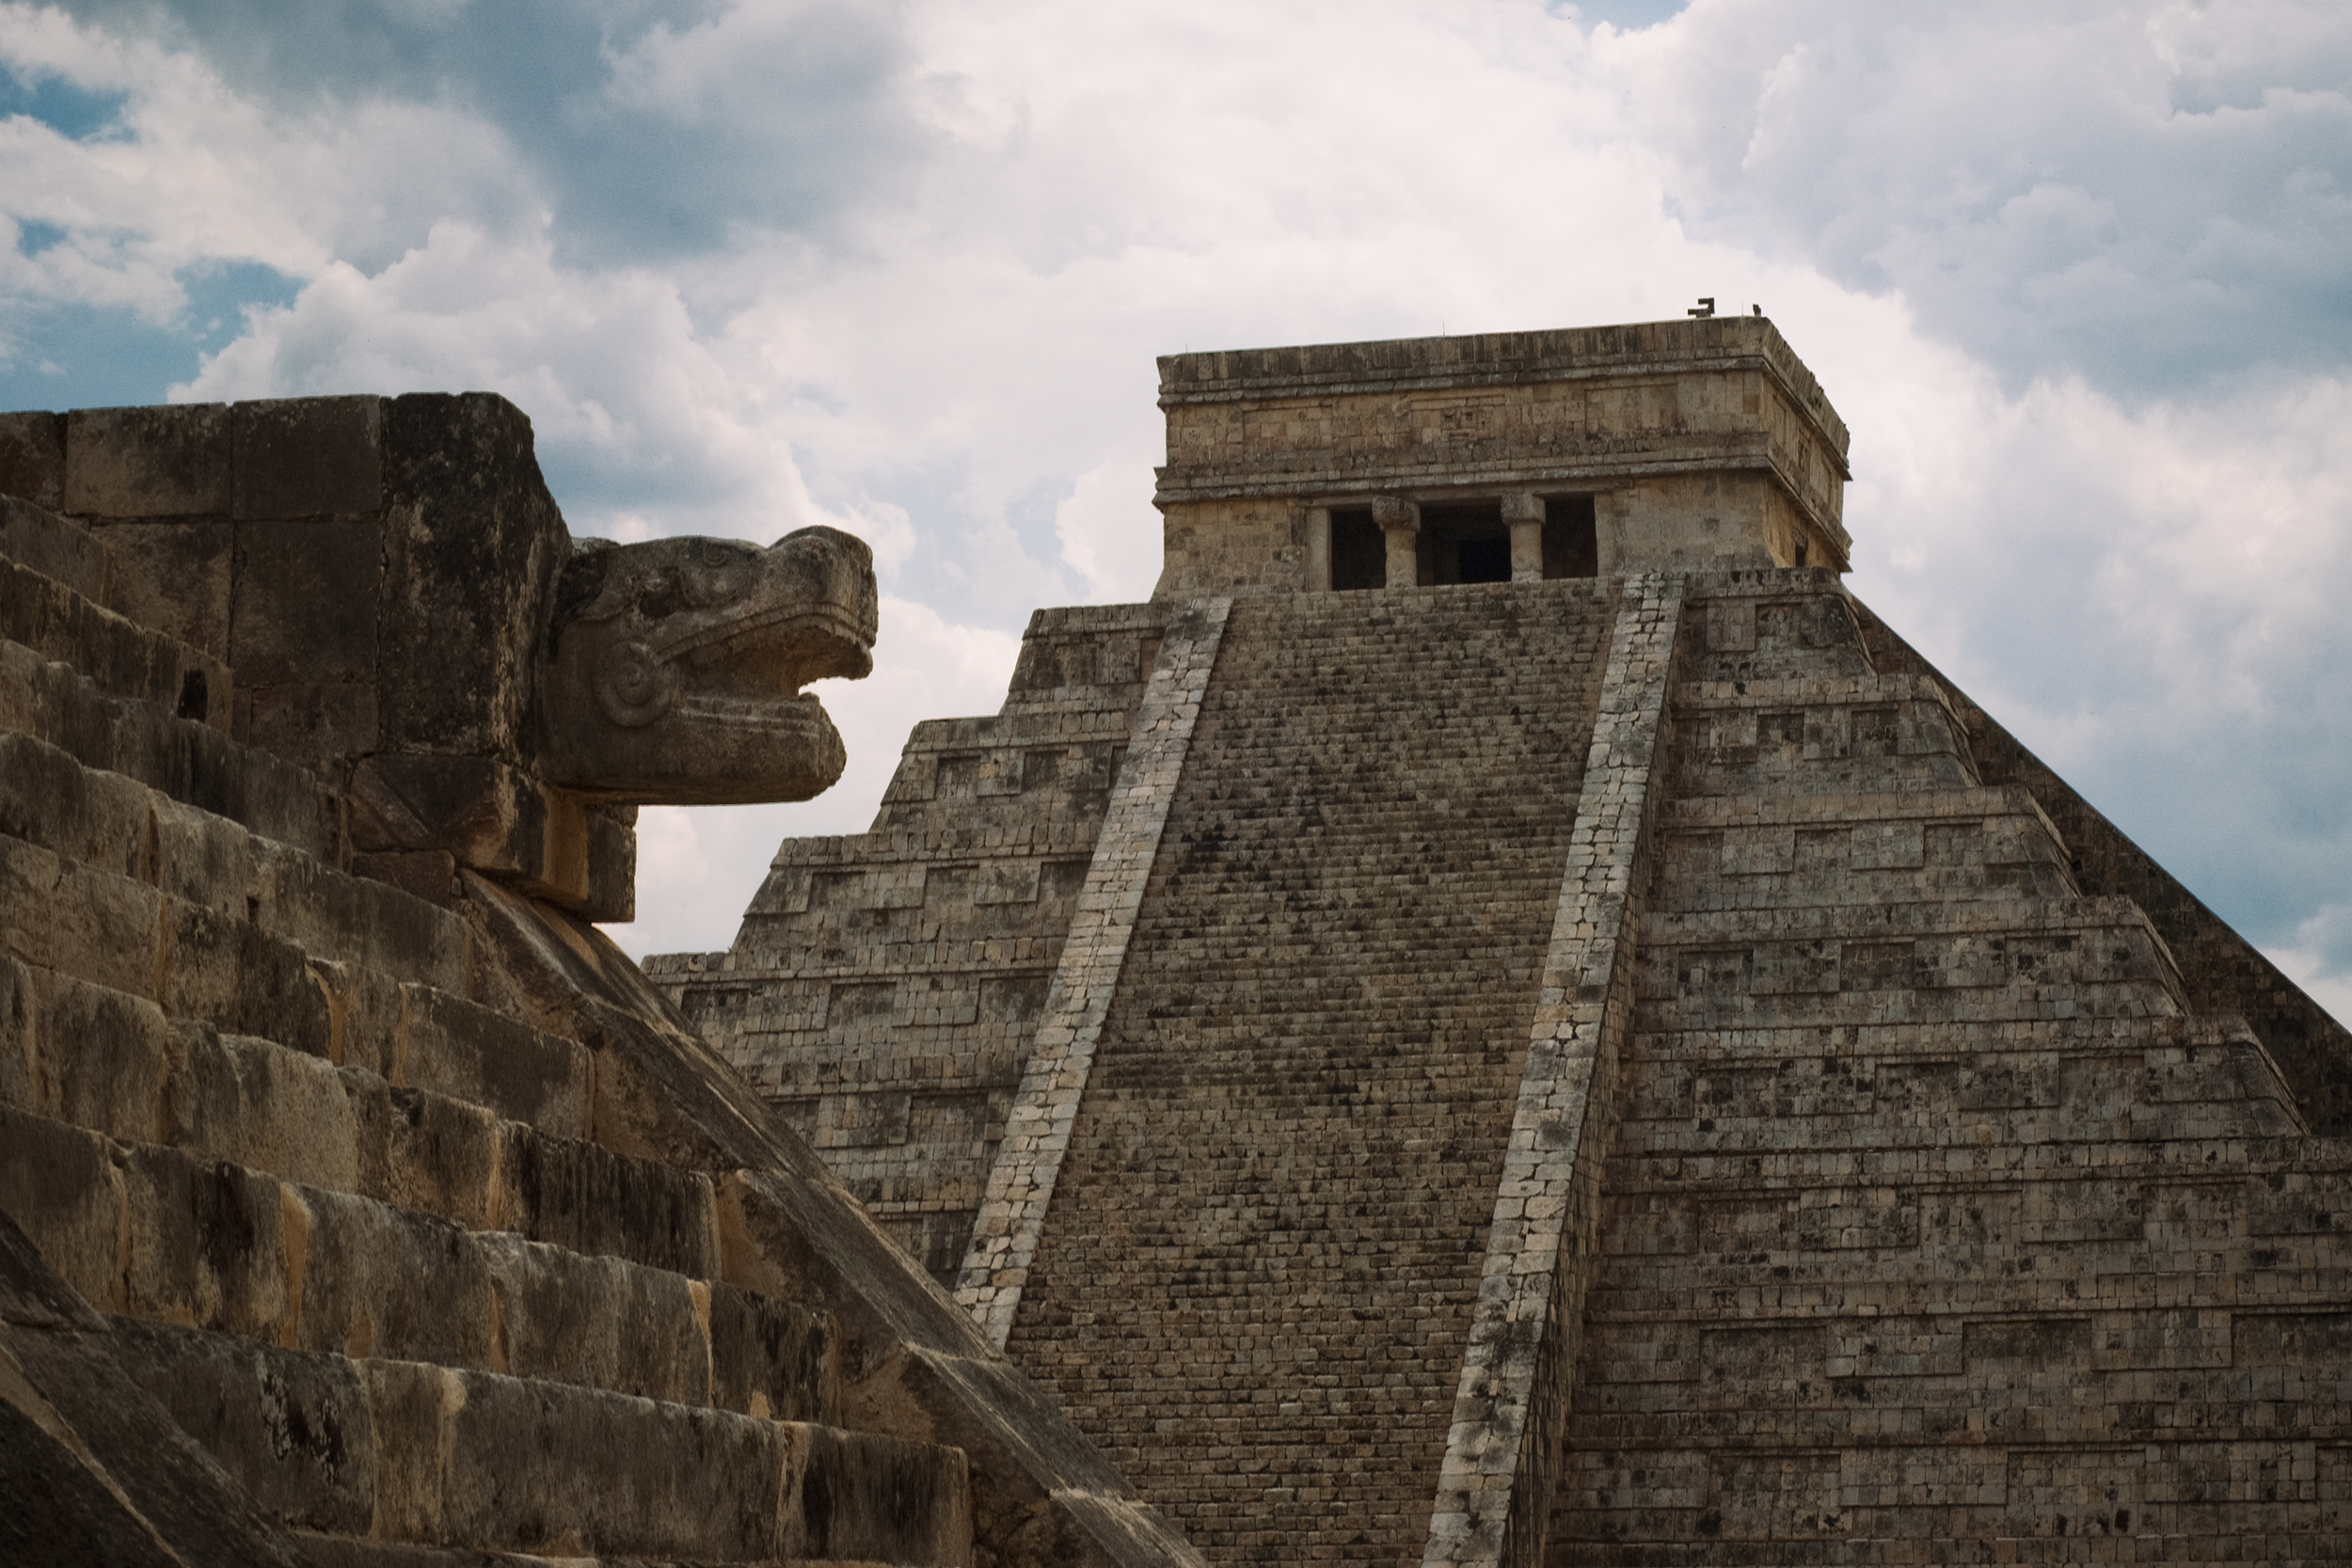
x: 429, y: 1226
x: 351, y: 1225
x: 1255, y: 1288
x: 1940, y: 1225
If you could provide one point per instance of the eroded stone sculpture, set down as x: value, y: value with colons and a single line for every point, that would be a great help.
x: 676, y: 666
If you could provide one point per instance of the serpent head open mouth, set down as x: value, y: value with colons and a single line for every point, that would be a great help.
x: 675, y: 667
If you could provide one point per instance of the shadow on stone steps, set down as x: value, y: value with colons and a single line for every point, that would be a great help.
x: 913, y: 1365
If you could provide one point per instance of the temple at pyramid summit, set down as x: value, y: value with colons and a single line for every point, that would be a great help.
x: 1504, y: 1016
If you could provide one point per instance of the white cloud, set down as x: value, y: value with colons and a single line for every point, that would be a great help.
x: 2148, y: 597
x: 2319, y: 958
x: 2072, y: 272
x: 2150, y: 194
x: 1110, y: 533
x: 627, y: 398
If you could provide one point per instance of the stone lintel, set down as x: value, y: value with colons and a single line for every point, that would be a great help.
x: 1472, y: 480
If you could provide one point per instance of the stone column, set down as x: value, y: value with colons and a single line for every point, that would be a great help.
x: 1400, y: 519
x: 1318, y: 549
x: 1524, y: 511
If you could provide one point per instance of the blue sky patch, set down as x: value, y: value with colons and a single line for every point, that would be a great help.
x: 69, y: 110
x: 77, y: 355
x: 34, y: 236
x: 1626, y: 15
x: 220, y: 293
x: 89, y: 357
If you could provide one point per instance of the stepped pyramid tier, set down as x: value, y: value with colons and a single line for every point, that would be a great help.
x: 361, y: 1205
x: 1504, y: 1016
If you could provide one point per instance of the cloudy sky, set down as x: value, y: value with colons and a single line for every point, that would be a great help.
x: 2077, y: 274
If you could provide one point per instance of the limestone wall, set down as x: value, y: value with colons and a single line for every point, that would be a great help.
x: 1937, y: 1214
x: 376, y: 575
x: 1707, y: 442
x: 1943, y: 1196
x: 2225, y: 973
x: 342, y: 1225
x: 1234, y: 544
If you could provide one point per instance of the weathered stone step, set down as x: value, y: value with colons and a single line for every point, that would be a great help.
x: 155, y: 1233
x: 2021, y: 1096
x: 2098, y: 1338
x: 1291, y: 1124
x: 2016, y: 1096
x: 2007, y: 977
x: 1858, y: 810
x: 51, y: 799
x: 401, y: 1452
x: 1859, y: 735
x: 65, y: 553
x: 1983, y: 1008
x: 1360, y: 612
x: 2064, y: 1241
x: 210, y: 964
x: 1722, y: 702
x: 1819, y: 881
x: 1929, y: 768
x: 190, y: 761
x: 59, y: 621
x: 985, y: 827
x: 111, y: 1063
x: 908, y: 941
x: 1734, y: 852
x: 2058, y: 1385
x: 344, y: 1551
x: 2084, y: 923
x: 1759, y: 630
x: 1944, y: 1158
x: 223, y: 927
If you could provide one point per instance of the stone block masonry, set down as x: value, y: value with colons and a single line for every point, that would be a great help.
x: 1685, y: 445
x: 1257, y: 1279
x: 1943, y: 1222
x: 1927, y: 1198
x: 1502, y: 1452
x: 885, y: 988
x: 344, y: 1225
x: 1054, y: 1082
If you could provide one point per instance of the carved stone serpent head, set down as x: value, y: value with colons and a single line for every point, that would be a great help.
x: 674, y: 668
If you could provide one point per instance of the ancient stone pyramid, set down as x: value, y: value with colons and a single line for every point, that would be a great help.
x: 360, y: 1204
x: 1505, y: 1017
